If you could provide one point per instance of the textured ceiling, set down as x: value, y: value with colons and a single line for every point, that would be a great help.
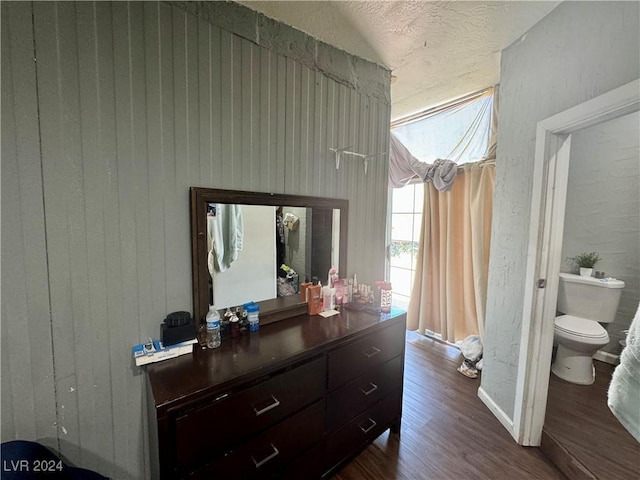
x: 436, y: 50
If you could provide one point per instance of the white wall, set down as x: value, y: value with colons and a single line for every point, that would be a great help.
x: 579, y: 51
x: 603, y: 209
x: 252, y: 276
x: 127, y: 105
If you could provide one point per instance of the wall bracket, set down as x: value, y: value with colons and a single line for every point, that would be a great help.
x: 339, y: 152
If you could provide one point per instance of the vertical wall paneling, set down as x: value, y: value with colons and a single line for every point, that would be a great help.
x: 280, y: 85
x: 266, y: 158
x: 110, y: 383
x: 215, y: 109
x: 93, y: 384
x: 226, y: 110
x: 311, y: 151
x: 127, y: 105
x: 180, y: 97
x: 244, y: 131
x: 255, y: 153
x: 192, y: 73
x: 204, y: 76
x: 131, y: 117
x: 236, y: 180
x: 128, y: 154
x: 28, y: 393
x: 318, y: 145
x: 155, y: 155
x: 170, y: 155
x: 176, y: 180
x: 55, y: 27
x: 246, y: 178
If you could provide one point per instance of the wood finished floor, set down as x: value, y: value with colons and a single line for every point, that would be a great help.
x: 580, y: 420
x: 447, y: 432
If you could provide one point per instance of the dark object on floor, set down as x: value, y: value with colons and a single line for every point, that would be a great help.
x: 23, y: 460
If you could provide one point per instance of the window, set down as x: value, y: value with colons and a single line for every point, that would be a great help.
x: 406, y: 218
x: 459, y: 131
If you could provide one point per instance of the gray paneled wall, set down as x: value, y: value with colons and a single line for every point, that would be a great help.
x: 28, y: 395
x: 127, y: 105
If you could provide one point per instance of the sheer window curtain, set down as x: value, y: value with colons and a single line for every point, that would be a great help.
x: 449, y: 289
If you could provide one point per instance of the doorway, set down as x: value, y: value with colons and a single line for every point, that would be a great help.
x: 551, y: 169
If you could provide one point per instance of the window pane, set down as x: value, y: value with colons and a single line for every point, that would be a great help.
x: 403, y: 199
x: 402, y: 253
x: 401, y: 280
x: 402, y: 226
x: 419, y: 197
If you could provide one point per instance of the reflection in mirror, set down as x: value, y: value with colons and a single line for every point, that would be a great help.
x: 267, y: 250
x: 251, y: 246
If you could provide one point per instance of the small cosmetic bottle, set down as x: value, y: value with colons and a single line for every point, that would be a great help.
x: 328, y: 298
x: 314, y: 304
x: 385, y: 297
x: 303, y: 289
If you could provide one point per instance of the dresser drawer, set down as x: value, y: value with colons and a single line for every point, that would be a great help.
x: 307, y: 466
x: 363, y: 429
x: 350, y: 361
x: 359, y: 394
x: 267, y: 453
x: 218, y: 426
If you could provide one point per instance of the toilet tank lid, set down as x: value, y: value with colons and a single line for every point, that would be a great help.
x: 598, y: 282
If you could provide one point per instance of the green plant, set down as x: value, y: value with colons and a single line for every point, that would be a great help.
x: 586, y: 259
x: 399, y: 247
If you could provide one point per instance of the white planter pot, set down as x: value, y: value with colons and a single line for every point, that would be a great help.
x: 586, y: 272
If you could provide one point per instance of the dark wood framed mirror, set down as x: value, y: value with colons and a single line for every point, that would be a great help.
x: 261, y: 231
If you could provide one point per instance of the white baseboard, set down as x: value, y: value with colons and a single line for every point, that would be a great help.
x: 607, y: 357
x: 497, y: 411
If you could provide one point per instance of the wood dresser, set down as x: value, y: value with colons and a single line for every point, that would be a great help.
x: 298, y: 399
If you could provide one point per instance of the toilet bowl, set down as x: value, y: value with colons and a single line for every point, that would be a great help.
x: 578, y: 340
x: 584, y: 303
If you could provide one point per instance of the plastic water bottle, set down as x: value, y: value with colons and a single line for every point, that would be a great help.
x: 252, y: 313
x: 213, y: 327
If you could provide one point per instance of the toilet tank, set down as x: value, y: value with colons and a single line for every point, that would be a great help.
x: 588, y: 297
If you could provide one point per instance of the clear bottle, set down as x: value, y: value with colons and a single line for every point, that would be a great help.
x: 213, y: 327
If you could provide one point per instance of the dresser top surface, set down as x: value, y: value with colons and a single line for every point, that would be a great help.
x: 273, y: 346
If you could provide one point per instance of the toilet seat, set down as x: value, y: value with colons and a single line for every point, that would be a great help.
x: 580, y: 327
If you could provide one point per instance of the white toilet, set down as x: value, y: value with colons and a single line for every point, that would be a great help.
x: 585, y: 302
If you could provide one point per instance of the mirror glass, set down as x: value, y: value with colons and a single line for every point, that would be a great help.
x: 250, y: 246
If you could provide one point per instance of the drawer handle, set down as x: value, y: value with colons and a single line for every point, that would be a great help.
x: 368, y: 429
x: 373, y: 388
x: 268, y: 407
x: 371, y: 353
x: 267, y: 458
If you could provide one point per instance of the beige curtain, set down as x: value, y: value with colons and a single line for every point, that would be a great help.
x: 449, y: 289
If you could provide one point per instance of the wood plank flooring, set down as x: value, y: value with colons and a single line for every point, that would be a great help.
x: 579, y: 419
x: 447, y: 432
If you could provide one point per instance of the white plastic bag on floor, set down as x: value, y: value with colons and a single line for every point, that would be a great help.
x: 471, y: 348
